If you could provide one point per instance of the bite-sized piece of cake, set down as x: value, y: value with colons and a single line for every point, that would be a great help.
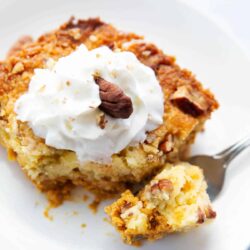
x: 54, y: 169
x: 175, y: 200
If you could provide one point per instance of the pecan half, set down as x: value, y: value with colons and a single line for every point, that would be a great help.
x: 190, y: 101
x: 114, y: 101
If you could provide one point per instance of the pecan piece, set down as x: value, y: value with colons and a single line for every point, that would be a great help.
x: 211, y: 213
x: 88, y: 25
x: 167, y: 146
x: 101, y: 121
x: 190, y: 101
x: 126, y: 206
x: 151, y: 56
x: 162, y: 185
x: 165, y: 185
x: 201, y: 216
x: 154, y: 188
x: 114, y: 101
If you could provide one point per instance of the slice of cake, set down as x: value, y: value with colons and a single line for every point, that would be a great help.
x: 175, y: 200
x: 63, y: 132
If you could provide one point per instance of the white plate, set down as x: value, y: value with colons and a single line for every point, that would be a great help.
x: 199, y: 45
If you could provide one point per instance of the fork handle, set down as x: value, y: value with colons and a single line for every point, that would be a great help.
x: 231, y: 152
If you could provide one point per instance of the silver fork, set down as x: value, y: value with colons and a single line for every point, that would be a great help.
x: 215, y: 166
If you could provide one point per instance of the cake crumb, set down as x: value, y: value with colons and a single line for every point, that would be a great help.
x: 137, y: 244
x: 101, y: 121
x: 75, y: 213
x: 95, y: 204
x: 58, y: 195
x: 93, y: 38
x: 18, y: 68
x: 105, y: 219
x: 85, y: 197
x: 11, y: 154
x: 37, y: 203
x: 83, y: 225
x: 46, y: 213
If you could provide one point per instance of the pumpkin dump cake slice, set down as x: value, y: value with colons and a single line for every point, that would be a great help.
x: 89, y: 105
x: 175, y: 200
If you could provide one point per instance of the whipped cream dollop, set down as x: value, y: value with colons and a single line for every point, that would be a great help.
x: 61, y: 104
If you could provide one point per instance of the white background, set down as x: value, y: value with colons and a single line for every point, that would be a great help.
x: 232, y: 15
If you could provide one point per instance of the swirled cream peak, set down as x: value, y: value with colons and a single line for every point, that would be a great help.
x: 61, y: 104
